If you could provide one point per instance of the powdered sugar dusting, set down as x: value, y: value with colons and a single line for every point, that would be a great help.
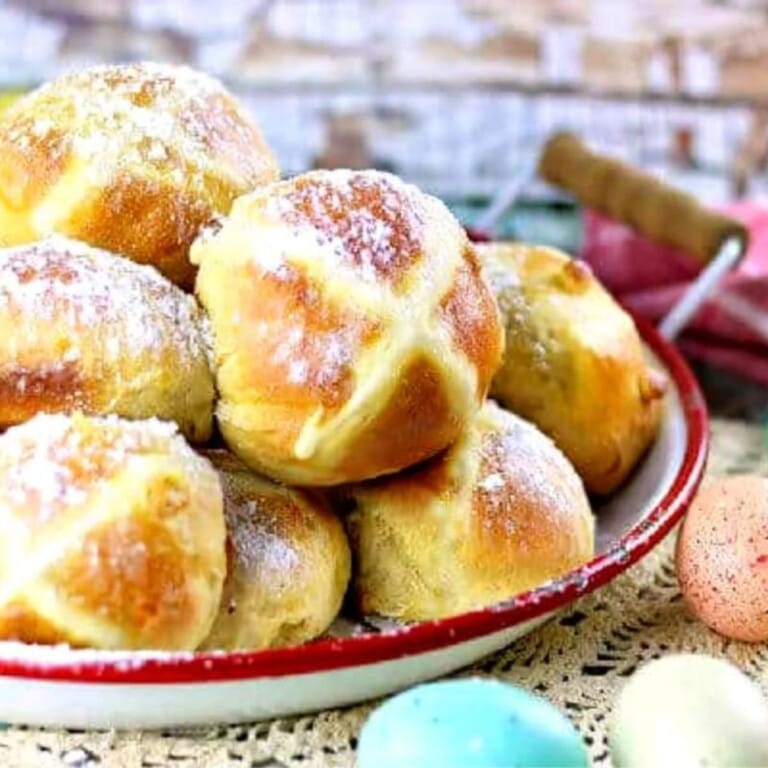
x: 298, y: 371
x: 289, y: 346
x: 53, y: 462
x: 518, y: 462
x: 310, y: 341
x: 95, y: 297
x: 335, y: 358
x: 319, y: 359
x: 493, y: 482
x: 257, y: 546
x: 62, y: 654
x: 370, y: 221
x: 170, y: 117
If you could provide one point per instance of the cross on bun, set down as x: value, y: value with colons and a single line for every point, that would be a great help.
x: 500, y: 512
x: 353, y: 332
x: 111, y: 535
x: 288, y: 562
x: 86, y: 330
x: 133, y: 158
x: 574, y: 364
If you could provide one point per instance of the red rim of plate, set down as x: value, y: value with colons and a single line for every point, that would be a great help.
x: 330, y: 654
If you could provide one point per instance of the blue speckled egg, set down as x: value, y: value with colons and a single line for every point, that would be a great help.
x: 470, y: 723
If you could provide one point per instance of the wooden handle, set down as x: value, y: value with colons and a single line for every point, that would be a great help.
x: 652, y: 207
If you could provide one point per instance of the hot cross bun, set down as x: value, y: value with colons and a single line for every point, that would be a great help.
x: 353, y: 332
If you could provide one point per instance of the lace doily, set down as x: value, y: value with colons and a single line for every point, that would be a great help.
x: 579, y: 661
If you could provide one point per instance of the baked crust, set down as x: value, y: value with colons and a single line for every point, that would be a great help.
x: 133, y: 158
x: 86, y: 330
x: 574, y: 364
x: 288, y: 562
x: 500, y: 512
x: 111, y: 535
x: 353, y: 332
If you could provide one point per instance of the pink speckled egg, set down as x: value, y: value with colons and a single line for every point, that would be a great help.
x: 722, y: 557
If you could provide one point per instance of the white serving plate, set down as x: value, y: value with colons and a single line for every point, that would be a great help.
x: 85, y: 689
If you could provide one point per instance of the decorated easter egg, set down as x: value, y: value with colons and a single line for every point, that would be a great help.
x: 471, y: 723
x: 689, y: 710
x: 722, y: 557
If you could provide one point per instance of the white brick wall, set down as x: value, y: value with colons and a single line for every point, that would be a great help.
x: 454, y: 138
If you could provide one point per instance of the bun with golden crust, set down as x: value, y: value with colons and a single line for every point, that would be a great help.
x: 111, y: 535
x: 132, y: 158
x: 289, y: 562
x: 500, y: 512
x: 85, y: 330
x: 353, y: 332
x: 574, y: 364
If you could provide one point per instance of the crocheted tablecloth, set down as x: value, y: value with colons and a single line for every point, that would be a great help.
x: 579, y: 661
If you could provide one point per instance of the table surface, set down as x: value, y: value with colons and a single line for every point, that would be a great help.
x: 579, y: 661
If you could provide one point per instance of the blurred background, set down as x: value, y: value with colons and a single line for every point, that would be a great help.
x: 455, y: 95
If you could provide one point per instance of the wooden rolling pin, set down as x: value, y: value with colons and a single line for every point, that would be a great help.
x: 651, y: 207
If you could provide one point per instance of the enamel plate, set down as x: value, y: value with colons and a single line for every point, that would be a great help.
x: 58, y: 686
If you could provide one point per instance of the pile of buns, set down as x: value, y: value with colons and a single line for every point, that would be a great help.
x: 231, y: 401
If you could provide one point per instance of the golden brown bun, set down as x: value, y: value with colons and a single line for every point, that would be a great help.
x: 574, y: 364
x: 132, y: 158
x: 85, y: 330
x: 500, y: 512
x: 111, y: 535
x: 289, y: 562
x: 353, y: 332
